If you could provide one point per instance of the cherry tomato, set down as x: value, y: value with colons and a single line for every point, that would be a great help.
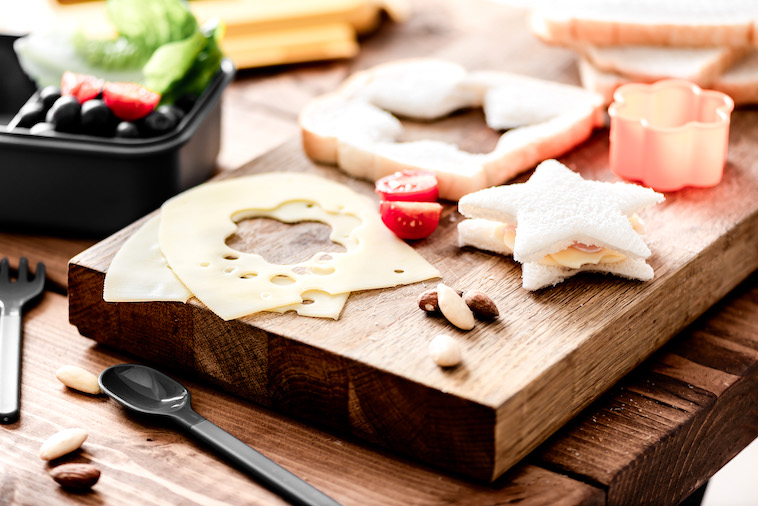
x: 129, y: 101
x: 409, y: 185
x: 82, y: 86
x: 410, y: 220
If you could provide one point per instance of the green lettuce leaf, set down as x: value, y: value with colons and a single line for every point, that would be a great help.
x: 188, y: 66
x: 142, y: 26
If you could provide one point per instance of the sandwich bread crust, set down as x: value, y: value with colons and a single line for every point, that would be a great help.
x: 355, y: 127
x: 554, y: 211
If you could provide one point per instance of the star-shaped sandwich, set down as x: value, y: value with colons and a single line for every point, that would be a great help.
x: 558, y: 224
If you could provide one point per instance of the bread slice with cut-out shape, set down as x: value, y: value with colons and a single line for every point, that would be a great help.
x: 355, y: 129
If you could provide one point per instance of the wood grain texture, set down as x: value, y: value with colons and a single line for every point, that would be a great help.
x: 652, y: 439
x: 347, y: 375
x: 369, y: 374
x: 54, y: 251
x: 690, y: 406
x: 259, y: 112
x: 145, y: 461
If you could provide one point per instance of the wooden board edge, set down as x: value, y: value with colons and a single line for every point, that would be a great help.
x: 685, y: 291
x: 338, y: 393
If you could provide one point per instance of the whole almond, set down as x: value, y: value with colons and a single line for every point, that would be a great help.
x: 79, y: 379
x: 481, y: 304
x: 428, y: 300
x: 76, y: 476
x: 62, y: 443
x: 454, y: 308
x: 445, y: 351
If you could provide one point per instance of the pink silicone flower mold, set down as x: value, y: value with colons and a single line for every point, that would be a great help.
x: 670, y: 134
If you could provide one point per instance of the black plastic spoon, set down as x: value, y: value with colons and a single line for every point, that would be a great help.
x: 151, y: 392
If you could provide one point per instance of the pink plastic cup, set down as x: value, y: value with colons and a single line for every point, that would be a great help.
x: 670, y: 134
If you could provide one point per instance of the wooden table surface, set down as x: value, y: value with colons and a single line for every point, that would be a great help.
x: 654, y: 438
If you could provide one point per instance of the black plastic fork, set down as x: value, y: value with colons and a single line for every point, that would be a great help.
x: 13, y: 296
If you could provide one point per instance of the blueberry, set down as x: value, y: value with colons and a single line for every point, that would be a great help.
x: 48, y: 95
x: 65, y: 114
x: 127, y: 130
x: 97, y: 118
x: 172, y: 110
x: 158, y: 122
x: 30, y: 114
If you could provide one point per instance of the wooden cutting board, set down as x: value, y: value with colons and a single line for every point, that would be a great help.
x: 523, y: 376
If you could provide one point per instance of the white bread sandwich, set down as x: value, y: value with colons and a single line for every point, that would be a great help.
x: 558, y: 224
x: 700, y: 65
x: 683, y: 23
x: 356, y: 127
x: 740, y: 81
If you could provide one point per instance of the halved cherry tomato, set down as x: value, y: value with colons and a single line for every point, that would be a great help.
x: 409, y: 185
x: 130, y: 101
x: 410, y: 220
x: 82, y: 86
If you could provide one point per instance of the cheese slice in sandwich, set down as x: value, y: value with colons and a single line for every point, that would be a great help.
x: 558, y: 224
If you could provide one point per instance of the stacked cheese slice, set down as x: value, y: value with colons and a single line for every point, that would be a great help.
x: 184, y: 252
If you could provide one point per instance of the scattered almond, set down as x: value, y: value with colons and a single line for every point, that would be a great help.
x: 65, y: 441
x: 453, y: 307
x: 76, y: 476
x: 428, y: 301
x: 481, y: 304
x: 445, y: 351
x: 79, y: 379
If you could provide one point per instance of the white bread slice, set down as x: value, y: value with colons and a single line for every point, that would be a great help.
x: 420, y: 88
x: 522, y: 148
x: 535, y: 276
x: 700, y: 65
x: 458, y: 172
x: 647, y: 22
x: 740, y: 81
x: 333, y: 116
x: 511, y: 100
x: 483, y: 234
x: 364, y: 146
x: 489, y: 235
x: 556, y: 208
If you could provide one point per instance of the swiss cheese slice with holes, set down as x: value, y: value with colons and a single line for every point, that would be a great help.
x: 195, y: 225
x: 139, y: 273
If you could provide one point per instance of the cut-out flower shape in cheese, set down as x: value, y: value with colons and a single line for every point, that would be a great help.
x: 670, y: 134
x: 355, y: 129
x: 194, y: 227
x: 558, y: 224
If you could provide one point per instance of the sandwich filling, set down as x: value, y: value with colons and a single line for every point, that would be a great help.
x: 574, y: 256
